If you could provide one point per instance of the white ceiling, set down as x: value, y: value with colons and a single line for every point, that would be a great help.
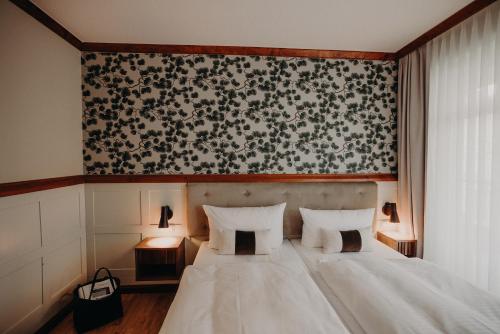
x: 363, y: 25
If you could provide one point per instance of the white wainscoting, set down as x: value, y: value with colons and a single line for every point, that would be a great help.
x: 42, y: 255
x: 121, y: 215
x: 387, y: 191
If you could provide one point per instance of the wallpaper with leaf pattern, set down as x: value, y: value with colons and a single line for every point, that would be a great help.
x: 210, y: 114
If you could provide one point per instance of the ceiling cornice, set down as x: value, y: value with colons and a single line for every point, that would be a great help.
x: 42, y: 17
x: 442, y: 27
x: 57, y: 28
x: 457, y: 18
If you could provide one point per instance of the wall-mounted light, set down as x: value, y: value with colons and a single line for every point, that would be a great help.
x: 389, y: 209
x: 166, y: 214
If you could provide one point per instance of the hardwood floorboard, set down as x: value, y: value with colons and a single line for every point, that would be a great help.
x: 144, y: 313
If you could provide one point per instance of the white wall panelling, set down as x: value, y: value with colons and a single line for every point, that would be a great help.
x: 61, y: 216
x: 22, y: 296
x: 42, y: 255
x: 57, y: 282
x: 23, y: 221
x: 387, y: 191
x: 117, y: 207
x: 114, y: 250
x: 121, y: 215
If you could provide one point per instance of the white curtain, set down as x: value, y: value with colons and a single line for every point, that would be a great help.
x: 462, y: 225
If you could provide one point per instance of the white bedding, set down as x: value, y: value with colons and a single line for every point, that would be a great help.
x: 312, y: 258
x: 409, y: 296
x: 250, y: 297
x: 208, y: 256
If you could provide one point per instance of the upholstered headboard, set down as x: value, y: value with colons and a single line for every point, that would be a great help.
x: 342, y: 195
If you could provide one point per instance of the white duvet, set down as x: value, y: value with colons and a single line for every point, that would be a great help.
x: 410, y: 296
x: 247, y: 298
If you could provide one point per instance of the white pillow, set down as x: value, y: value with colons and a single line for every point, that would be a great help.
x: 335, y: 241
x: 227, y: 242
x: 245, y: 219
x: 341, y: 220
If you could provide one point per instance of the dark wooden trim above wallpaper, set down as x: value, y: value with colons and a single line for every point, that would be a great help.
x: 460, y: 16
x: 39, y: 15
x: 23, y: 187
x: 235, y: 50
x: 195, y: 178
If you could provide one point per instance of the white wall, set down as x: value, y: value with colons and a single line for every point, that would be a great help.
x: 121, y: 215
x: 40, y: 100
x: 388, y: 192
x: 42, y: 255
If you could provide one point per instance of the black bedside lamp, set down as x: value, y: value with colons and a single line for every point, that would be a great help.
x: 166, y: 214
x: 389, y: 209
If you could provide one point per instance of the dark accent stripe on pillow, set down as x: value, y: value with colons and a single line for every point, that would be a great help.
x: 351, y: 241
x: 244, y: 243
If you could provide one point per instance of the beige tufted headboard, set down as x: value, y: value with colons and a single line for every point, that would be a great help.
x: 331, y: 195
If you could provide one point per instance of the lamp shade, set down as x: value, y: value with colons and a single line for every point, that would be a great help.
x: 389, y: 209
x: 166, y: 214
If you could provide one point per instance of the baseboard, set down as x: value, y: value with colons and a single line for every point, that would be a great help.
x: 152, y: 288
x: 55, y: 320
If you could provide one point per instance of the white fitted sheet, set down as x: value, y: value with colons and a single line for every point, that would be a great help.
x: 311, y: 258
x: 207, y: 256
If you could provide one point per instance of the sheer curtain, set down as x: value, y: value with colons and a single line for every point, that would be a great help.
x: 462, y: 225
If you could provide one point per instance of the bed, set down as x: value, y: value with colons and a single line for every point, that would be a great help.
x: 312, y: 257
x: 384, y: 292
x: 256, y: 293
x: 250, y: 297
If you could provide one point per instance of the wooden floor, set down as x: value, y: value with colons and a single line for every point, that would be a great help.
x: 144, y: 313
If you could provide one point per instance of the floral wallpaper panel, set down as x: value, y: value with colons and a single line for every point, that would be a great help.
x: 215, y: 114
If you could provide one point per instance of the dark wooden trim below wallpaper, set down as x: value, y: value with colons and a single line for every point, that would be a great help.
x: 39, y: 15
x: 23, y: 187
x: 235, y: 50
x: 195, y: 178
x: 460, y: 16
x: 137, y: 178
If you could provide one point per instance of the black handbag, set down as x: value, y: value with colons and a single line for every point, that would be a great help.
x: 89, y: 313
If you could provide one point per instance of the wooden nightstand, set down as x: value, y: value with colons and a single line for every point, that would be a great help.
x: 160, y: 258
x: 407, y: 247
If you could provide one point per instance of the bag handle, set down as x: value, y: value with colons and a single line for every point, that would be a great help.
x: 111, y: 278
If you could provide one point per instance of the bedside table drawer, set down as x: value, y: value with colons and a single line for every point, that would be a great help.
x: 156, y: 256
x: 159, y: 259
